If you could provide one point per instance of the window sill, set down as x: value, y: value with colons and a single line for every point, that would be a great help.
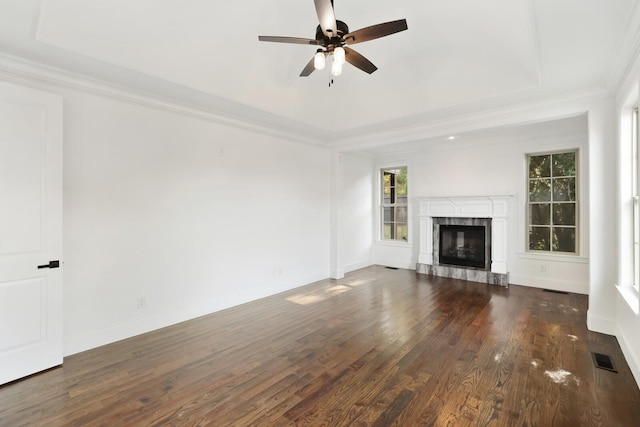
x: 394, y: 243
x: 631, y: 297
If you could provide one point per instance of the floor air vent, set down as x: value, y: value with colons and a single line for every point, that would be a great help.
x: 392, y: 268
x: 603, y: 361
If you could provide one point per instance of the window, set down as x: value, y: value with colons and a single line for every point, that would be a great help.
x: 553, y: 202
x: 394, y: 204
x: 635, y: 175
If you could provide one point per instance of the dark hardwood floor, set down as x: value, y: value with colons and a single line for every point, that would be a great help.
x: 379, y: 348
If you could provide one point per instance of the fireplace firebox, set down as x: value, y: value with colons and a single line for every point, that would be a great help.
x: 462, y: 245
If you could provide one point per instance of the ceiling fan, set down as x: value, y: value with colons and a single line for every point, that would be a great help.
x: 333, y: 36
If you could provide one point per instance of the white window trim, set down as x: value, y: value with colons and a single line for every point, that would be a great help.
x: 580, y: 241
x: 522, y: 251
x: 631, y: 297
x: 626, y: 274
x: 378, y: 205
x: 635, y: 193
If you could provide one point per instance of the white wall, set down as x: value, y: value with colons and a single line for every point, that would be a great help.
x: 602, y: 218
x: 627, y: 309
x: 493, y: 163
x: 357, y: 210
x: 189, y: 214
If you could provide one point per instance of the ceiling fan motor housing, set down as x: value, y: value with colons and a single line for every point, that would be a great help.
x: 336, y: 39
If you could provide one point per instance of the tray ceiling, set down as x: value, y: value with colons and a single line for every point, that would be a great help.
x: 207, y: 54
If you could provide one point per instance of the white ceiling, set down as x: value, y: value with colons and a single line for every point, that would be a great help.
x: 457, y: 55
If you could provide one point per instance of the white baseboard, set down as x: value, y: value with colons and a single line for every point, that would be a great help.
x: 603, y: 325
x: 336, y: 274
x: 631, y: 358
x: 554, y: 284
x: 130, y: 329
x: 144, y: 324
x: 395, y: 263
x: 358, y: 265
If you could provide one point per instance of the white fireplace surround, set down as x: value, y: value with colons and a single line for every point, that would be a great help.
x: 494, y: 207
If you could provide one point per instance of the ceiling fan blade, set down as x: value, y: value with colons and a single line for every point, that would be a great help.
x: 359, y: 61
x: 308, y: 69
x: 375, y: 31
x: 294, y: 40
x: 327, y: 17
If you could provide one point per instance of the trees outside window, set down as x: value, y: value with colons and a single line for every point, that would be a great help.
x: 552, y: 218
x: 394, y: 209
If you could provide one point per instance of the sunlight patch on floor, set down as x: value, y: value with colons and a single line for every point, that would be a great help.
x: 358, y: 282
x: 315, y: 297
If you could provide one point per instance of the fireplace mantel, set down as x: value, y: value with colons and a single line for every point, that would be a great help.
x: 494, y: 207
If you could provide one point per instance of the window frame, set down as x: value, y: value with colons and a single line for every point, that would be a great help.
x: 576, y: 202
x: 383, y: 205
x: 628, y: 153
x: 635, y: 197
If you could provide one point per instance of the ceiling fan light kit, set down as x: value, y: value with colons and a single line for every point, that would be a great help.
x: 333, y: 36
x: 319, y: 61
x: 339, y: 55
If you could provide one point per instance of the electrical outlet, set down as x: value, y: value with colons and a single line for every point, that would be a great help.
x: 141, y: 303
x: 543, y: 268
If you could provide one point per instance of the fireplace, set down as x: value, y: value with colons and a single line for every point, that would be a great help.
x: 462, y: 245
x: 464, y: 238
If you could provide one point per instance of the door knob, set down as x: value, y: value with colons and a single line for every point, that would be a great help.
x: 52, y: 264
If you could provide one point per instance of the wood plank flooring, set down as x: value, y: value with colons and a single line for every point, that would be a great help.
x: 379, y: 348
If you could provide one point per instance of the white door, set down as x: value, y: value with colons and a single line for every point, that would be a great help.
x: 30, y: 231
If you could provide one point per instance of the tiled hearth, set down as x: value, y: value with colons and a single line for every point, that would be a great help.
x: 489, y: 211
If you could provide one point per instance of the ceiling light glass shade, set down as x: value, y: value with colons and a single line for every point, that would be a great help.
x: 339, y: 55
x: 319, y: 61
x: 336, y: 68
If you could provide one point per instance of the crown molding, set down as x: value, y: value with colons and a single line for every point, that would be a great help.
x: 24, y: 70
x: 413, y: 129
x: 624, y: 58
x: 526, y: 136
x: 549, y: 108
